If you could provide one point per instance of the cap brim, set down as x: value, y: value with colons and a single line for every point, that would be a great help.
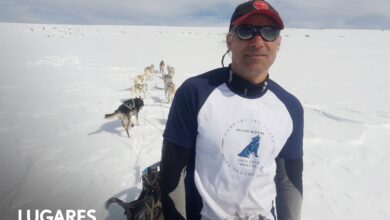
x: 275, y: 17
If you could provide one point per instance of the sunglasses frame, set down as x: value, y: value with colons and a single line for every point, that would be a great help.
x: 256, y: 30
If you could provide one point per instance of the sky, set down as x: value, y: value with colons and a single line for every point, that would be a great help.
x: 357, y: 14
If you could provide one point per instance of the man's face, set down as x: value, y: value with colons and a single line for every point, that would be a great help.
x: 252, y: 58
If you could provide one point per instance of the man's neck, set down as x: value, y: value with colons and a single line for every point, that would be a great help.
x: 245, y: 88
x: 254, y: 78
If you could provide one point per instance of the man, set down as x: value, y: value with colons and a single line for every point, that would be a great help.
x: 235, y: 134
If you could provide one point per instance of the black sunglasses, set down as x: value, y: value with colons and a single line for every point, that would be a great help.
x: 247, y: 32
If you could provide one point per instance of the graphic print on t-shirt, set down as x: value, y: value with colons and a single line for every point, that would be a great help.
x: 245, y: 145
x: 251, y: 148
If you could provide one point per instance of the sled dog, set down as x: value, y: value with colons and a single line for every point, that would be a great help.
x: 162, y: 67
x: 125, y: 111
x: 139, y: 90
x: 170, y: 90
x: 171, y: 70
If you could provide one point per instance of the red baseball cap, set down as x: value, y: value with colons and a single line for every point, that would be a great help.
x: 249, y: 8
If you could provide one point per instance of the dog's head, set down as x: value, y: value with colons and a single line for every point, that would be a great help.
x: 137, y: 103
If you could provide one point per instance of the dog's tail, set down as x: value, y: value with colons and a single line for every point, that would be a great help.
x: 108, y: 116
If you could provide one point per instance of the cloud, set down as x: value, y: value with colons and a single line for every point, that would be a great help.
x: 143, y: 12
x: 296, y: 13
x: 335, y: 13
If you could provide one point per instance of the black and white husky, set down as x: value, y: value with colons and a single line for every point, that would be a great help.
x: 128, y: 108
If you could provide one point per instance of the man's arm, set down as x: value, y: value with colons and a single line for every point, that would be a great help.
x: 289, y: 188
x: 174, y: 160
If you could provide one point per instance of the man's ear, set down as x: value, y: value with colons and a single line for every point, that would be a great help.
x: 229, y: 39
x: 279, y: 40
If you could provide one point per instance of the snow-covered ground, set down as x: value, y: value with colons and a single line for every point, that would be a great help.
x: 58, y: 81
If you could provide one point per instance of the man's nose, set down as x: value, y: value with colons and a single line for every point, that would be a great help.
x: 257, y: 41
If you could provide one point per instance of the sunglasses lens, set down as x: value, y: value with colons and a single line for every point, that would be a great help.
x: 269, y: 33
x: 245, y: 32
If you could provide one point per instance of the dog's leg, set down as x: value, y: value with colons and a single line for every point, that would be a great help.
x: 136, y: 118
x: 127, y: 130
x: 126, y: 123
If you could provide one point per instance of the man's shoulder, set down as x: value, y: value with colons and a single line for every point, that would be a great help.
x: 210, y: 79
x: 195, y: 90
x: 286, y: 97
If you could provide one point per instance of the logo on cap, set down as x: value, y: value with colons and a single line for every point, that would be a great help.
x: 260, y: 5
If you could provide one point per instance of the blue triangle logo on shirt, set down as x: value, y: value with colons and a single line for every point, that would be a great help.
x: 251, y: 148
